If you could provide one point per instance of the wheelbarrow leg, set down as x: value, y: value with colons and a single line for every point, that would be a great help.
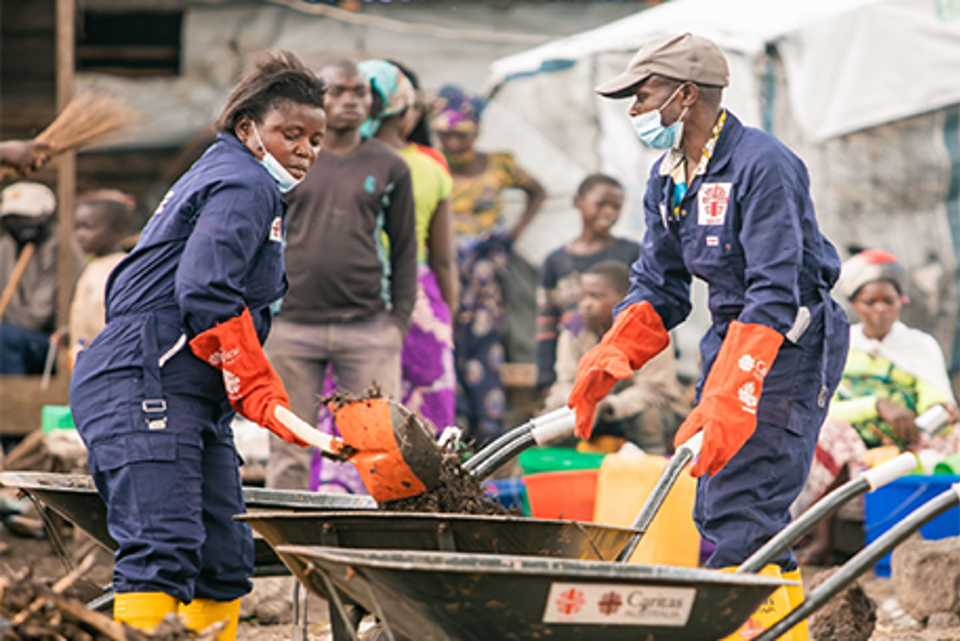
x: 299, y: 613
x: 342, y: 624
x: 338, y: 611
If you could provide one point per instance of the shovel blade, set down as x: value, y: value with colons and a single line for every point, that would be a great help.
x: 396, y: 455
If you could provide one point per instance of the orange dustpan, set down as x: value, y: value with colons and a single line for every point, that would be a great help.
x: 393, y: 451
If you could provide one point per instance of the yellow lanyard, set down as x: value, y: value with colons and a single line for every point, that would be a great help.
x: 679, y: 173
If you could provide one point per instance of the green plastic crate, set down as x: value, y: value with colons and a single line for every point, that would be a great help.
x: 56, y: 417
x: 557, y: 459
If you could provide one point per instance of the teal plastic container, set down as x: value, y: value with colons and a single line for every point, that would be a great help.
x: 56, y: 417
x: 558, y: 459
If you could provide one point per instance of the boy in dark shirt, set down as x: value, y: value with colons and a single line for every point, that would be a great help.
x: 599, y: 199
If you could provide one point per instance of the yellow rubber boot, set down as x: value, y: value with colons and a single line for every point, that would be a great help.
x: 143, y: 610
x: 770, y: 611
x: 202, y: 613
x: 795, y: 594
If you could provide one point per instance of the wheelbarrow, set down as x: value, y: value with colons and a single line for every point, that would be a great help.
x: 75, y: 498
x: 453, y: 596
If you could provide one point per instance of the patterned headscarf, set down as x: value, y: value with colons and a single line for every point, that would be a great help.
x: 870, y: 266
x: 394, y: 89
x: 455, y: 110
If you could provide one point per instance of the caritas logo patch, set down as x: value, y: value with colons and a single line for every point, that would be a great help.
x: 712, y: 200
x: 570, y: 601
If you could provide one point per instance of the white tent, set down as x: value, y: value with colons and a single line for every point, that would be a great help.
x: 864, y: 90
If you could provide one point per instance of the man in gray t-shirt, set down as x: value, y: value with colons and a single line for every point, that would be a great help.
x: 351, y: 263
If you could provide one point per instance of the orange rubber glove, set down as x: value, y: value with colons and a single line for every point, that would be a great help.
x: 727, y: 411
x: 637, y: 336
x: 253, y: 387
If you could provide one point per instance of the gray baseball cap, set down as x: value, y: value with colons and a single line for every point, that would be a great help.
x: 684, y: 57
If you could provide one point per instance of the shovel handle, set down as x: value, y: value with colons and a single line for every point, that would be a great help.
x: 309, y: 434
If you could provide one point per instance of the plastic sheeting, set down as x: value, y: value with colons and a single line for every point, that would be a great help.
x: 852, y: 64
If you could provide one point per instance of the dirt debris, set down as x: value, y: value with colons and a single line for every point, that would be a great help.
x: 458, y: 492
x: 850, y: 615
x: 34, y: 610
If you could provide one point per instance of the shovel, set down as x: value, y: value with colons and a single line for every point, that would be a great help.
x: 391, y: 449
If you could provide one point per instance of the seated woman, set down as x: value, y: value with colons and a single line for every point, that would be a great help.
x: 893, y: 374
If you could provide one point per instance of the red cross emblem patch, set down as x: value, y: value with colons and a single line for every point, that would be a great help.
x: 571, y: 601
x: 712, y: 202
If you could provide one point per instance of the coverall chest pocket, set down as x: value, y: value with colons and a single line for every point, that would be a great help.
x: 713, y: 254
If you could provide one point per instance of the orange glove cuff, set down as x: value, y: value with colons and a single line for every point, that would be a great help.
x: 637, y: 336
x: 639, y: 333
x: 251, y: 383
x: 727, y: 412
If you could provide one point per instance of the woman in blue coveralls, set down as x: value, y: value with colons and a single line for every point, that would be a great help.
x: 730, y: 205
x: 155, y: 414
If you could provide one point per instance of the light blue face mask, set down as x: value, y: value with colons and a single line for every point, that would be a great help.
x: 285, y: 180
x: 650, y: 129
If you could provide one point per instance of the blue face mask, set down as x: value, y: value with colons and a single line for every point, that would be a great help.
x: 650, y: 129
x: 285, y: 181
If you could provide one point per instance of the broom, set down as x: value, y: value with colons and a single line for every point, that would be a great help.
x: 89, y: 117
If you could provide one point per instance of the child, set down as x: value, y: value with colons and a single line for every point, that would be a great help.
x: 101, y: 222
x: 599, y: 199
x: 645, y: 409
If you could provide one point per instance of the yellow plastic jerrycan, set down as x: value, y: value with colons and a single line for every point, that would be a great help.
x: 623, y: 484
x: 776, y: 606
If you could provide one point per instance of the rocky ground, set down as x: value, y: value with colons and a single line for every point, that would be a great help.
x: 270, y: 599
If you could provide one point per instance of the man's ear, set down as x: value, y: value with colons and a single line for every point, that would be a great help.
x: 689, y: 94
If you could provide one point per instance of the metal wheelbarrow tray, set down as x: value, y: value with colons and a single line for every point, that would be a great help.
x: 75, y: 498
x: 441, y: 532
x: 432, y: 596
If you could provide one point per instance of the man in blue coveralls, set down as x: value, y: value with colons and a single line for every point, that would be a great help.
x: 730, y: 205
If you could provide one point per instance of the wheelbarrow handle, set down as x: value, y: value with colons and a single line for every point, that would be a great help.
x: 327, y: 444
x: 541, y: 430
x: 866, y: 482
x: 683, y: 455
x: 553, y: 425
x: 869, y: 555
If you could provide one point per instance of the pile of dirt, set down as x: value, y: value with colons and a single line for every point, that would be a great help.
x: 458, y: 492
x: 850, y: 615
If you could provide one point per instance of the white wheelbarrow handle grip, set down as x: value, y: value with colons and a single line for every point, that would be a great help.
x: 553, y: 425
x: 890, y: 471
x: 693, y: 445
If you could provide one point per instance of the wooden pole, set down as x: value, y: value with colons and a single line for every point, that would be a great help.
x: 25, y: 255
x: 66, y: 164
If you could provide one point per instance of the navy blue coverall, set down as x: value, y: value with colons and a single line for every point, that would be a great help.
x: 155, y: 418
x: 747, y: 227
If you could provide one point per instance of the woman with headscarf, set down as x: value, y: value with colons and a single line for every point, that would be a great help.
x: 893, y: 374
x: 427, y: 358
x: 478, y: 182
